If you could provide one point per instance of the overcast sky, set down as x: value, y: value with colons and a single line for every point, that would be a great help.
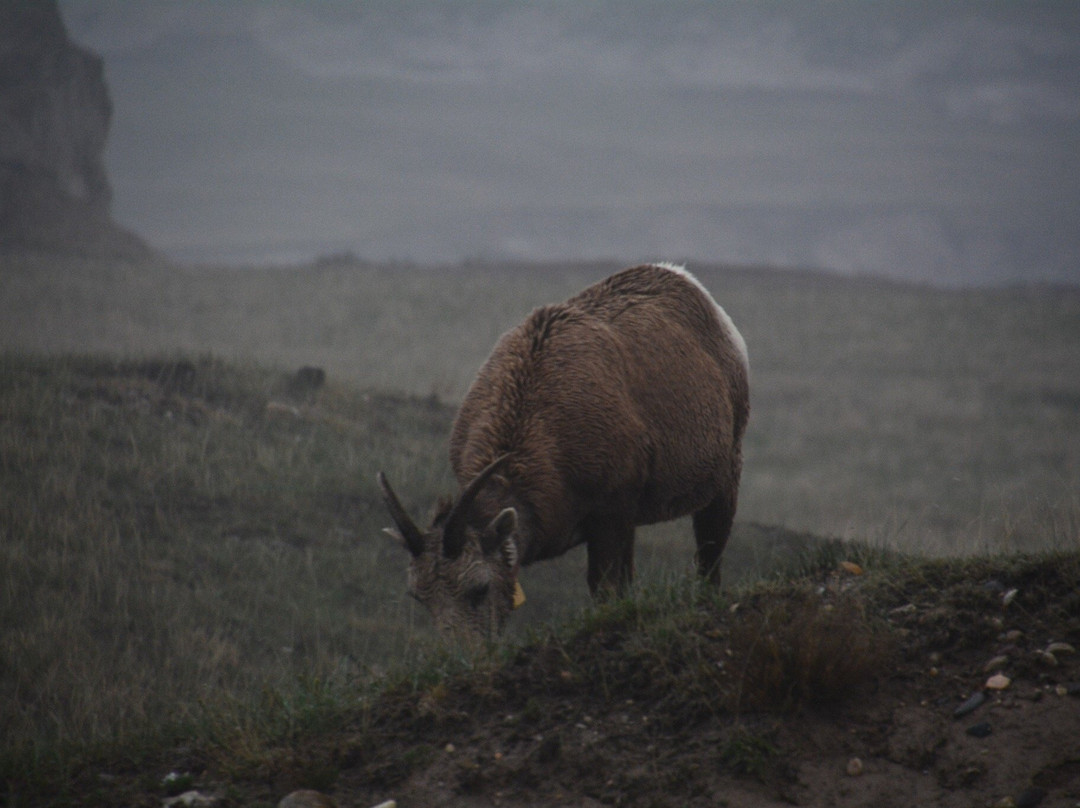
x: 931, y: 141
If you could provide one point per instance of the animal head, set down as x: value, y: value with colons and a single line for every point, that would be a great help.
x: 465, y: 573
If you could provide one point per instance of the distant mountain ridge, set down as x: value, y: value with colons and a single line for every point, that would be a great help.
x: 927, y: 142
x: 54, y: 120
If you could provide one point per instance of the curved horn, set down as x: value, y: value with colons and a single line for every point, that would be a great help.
x: 410, y: 533
x: 454, y: 527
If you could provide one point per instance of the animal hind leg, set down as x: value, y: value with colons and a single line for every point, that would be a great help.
x: 712, y: 527
x: 610, y: 544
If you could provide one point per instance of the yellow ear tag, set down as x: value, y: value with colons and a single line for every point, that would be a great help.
x: 519, y: 594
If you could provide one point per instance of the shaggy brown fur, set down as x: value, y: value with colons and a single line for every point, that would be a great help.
x: 624, y: 406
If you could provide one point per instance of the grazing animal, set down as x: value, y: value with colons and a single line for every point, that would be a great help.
x: 624, y: 406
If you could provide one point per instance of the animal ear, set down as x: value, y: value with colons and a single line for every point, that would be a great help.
x: 500, y: 529
x: 505, y: 523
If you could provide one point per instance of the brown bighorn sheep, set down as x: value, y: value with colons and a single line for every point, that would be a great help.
x: 624, y: 406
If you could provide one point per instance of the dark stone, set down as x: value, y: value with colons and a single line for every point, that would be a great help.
x: 980, y: 730
x: 307, y: 379
x: 550, y: 749
x: 1030, y: 797
x: 976, y: 700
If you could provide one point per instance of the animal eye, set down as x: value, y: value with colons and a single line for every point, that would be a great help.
x: 476, y: 597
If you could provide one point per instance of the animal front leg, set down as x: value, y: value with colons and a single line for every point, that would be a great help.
x: 610, y: 544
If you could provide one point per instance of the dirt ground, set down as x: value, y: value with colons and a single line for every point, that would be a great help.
x: 535, y: 733
x: 555, y: 727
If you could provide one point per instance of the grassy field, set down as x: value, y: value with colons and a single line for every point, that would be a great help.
x: 939, y: 420
x: 186, y: 531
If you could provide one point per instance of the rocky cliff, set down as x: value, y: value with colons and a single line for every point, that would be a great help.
x: 54, y: 118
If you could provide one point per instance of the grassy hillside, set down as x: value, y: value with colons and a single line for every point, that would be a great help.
x: 190, y: 532
x: 947, y: 421
x: 175, y: 531
x: 178, y: 531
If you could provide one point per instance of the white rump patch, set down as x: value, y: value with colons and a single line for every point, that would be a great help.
x: 722, y: 316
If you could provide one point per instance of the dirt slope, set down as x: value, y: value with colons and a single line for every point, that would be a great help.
x: 768, y: 702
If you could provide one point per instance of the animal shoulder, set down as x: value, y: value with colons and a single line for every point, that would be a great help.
x: 643, y: 285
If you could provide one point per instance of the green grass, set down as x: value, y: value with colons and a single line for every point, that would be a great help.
x: 169, y: 538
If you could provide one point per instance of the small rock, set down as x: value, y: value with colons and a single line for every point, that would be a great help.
x: 969, y: 774
x: 387, y: 804
x: 450, y: 747
x: 998, y: 681
x: 996, y: 663
x: 307, y: 379
x: 900, y: 611
x: 278, y: 408
x: 1009, y: 597
x: 1030, y: 797
x: 993, y: 586
x: 1046, y: 658
x: 974, y: 702
x: 1013, y: 635
x: 980, y: 730
x: 851, y: 567
x: 190, y: 798
x: 549, y: 749
x: 854, y: 767
x: 306, y: 799
x: 177, y: 783
x: 1005, y: 802
x: 1060, y: 648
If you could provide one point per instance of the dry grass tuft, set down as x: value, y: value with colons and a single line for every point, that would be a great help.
x: 773, y: 648
x: 804, y: 649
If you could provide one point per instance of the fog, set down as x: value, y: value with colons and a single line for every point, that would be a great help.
x: 925, y: 141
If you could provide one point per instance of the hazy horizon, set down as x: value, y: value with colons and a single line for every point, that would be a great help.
x: 922, y: 142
